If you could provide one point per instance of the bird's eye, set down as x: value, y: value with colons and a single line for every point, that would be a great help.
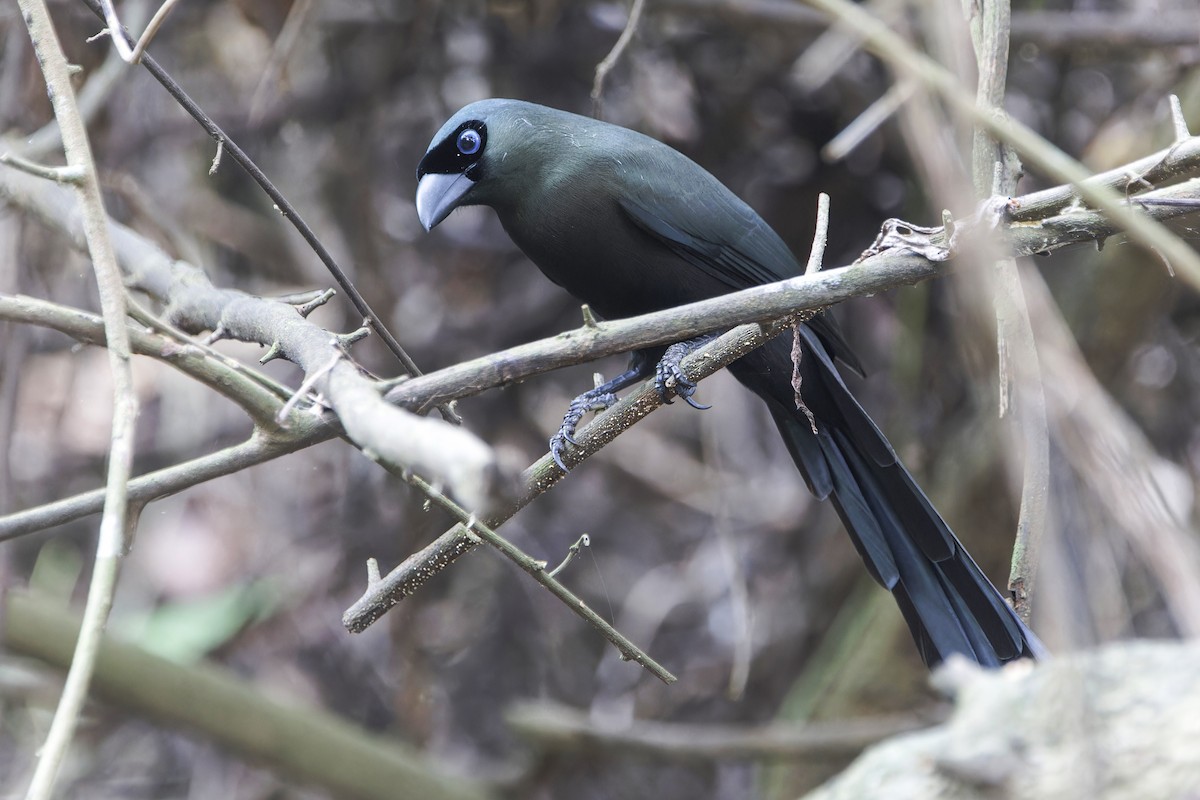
x: 469, y: 142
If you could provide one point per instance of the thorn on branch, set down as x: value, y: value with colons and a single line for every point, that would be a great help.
x: 312, y: 305
x: 216, y: 162
x: 572, y: 551
x: 346, y: 340
x: 273, y: 352
x: 1178, y: 121
x: 589, y: 319
x: 1140, y: 181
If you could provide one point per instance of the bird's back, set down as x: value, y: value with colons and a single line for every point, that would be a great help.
x: 630, y: 225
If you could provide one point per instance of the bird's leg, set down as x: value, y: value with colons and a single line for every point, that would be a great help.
x: 598, y: 399
x: 669, y: 377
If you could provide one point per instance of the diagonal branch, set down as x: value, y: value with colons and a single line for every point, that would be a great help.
x: 1026, y: 235
x: 541, y: 476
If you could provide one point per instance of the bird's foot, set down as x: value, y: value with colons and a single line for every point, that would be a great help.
x: 597, y: 399
x: 669, y: 377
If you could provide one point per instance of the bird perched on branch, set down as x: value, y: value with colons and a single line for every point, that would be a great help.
x: 630, y: 226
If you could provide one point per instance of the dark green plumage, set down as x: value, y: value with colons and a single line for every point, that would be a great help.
x: 629, y: 226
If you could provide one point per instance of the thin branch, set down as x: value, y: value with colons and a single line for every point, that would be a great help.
x: 816, y: 255
x: 572, y: 551
x: 1152, y: 170
x: 867, y: 122
x: 561, y: 729
x: 614, y: 55
x: 995, y: 173
x: 92, y: 96
x: 417, y: 569
x: 134, y: 55
x: 116, y: 523
x: 60, y: 175
x: 628, y: 650
x: 257, y: 395
x: 258, y: 449
x: 1178, y: 120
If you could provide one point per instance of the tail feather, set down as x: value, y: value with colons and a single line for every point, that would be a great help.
x: 950, y: 606
x: 955, y: 617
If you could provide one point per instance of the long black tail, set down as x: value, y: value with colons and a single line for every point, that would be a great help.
x: 949, y: 604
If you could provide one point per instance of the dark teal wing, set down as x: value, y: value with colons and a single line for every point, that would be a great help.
x: 732, y: 245
x: 726, y: 239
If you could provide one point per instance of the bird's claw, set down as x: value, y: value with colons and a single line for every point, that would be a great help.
x: 669, y: 378
x: 581, y: 405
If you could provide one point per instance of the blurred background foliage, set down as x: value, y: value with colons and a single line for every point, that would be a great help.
x: 706, y: 549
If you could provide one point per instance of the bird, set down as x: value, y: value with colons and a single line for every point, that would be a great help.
x: 629, y: 225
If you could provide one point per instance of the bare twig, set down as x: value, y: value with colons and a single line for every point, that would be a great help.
x: 258, y: 449
x: 1178, y: 121
x: 572, y: 551
x: 67, y: 174
x: 92, y: 96
x: 995, y: 174
x: 815, y: 258
x: 867, y: 122
x: 115, y: 29
x: 816, y: 255
x: 117, y: 521
x: 614, y: 55
x: 562, y: 729
x: 258, y: 395
x: 628, y: 650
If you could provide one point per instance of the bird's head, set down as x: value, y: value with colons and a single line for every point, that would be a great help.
x: 467, y: 156
x: 494, y: 152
